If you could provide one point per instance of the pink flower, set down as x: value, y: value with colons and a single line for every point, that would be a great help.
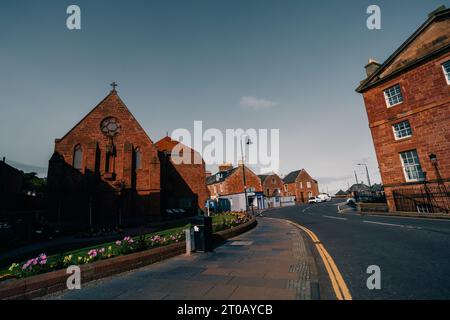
x: 43, y: 256
x: 118, y: 242
x: 92, y: 253
x: 43, y: 262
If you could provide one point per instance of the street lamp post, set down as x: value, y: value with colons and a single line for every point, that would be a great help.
x: 249, y: 142
x: 367, y: 172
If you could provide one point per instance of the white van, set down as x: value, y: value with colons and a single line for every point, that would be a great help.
x: 324, y: 197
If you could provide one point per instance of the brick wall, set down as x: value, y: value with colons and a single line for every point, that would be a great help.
x: 182, y: 180
x: 303, y: 187
x: 141, y: 198
x: 427, y: 107
x: 271, y: 184
x: 234, y: 184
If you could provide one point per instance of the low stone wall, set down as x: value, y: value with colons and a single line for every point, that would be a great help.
x: 46, y: 283
x: 372, y: 207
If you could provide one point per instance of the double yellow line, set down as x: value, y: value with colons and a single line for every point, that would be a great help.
x: 340, y: 288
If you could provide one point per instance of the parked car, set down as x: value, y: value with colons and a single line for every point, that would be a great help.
x: 314, y: 200
x: 324, y: 197
x: 351, y: 201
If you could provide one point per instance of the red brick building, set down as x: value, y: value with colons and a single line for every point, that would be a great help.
x: 272, y: 185
x: 229, y: 183
x: 183, y: 183
x: 407, y: 100
x: 106, y: 171
x: 300, y: 185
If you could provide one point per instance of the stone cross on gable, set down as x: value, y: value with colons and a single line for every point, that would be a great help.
x: 114, y: 85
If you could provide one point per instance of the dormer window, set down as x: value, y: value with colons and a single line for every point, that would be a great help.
x: 393, y: 96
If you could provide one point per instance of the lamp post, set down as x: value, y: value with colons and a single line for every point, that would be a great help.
x: 248, y: 142
x: 367, y: 172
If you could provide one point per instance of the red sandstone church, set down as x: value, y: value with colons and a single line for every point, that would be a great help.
x: 106, y: 171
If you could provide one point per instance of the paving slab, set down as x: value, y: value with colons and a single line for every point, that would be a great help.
x: 272, y: 261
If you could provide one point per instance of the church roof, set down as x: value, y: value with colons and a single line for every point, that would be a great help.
x: 429, y: 40
x: 166, y: 144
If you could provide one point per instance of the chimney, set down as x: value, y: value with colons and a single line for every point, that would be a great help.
x: 372, y: 66
x: 4, y: 159
x: 225, y: 167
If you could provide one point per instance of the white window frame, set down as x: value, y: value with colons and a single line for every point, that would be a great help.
x: 395, y: 132
x: 308, y: 184
x: 446, y: 73
x: 404, y: 166
x: 389, y: 105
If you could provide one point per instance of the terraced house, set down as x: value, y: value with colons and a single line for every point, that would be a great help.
x: 407, y: 100
x: 300, y: 185
x: 228, y: 183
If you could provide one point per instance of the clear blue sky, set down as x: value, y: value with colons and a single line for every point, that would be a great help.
x: 180, y: 61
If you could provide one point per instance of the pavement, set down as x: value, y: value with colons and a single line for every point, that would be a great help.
x: 413, y: 253
x: 272, y: 262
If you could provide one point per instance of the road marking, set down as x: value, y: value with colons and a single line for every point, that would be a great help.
x: 337, y: 281
x: 392, y: 225
x: 337, y: 218
x: 306, y: 209
x: 384, y: 224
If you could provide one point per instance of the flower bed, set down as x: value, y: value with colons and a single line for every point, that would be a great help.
x: 43, y: 263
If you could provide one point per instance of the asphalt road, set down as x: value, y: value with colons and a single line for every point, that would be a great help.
x: 413, y: 254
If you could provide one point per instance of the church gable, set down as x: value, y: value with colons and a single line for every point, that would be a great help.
x: 110, y: 107
x: 110, y: 142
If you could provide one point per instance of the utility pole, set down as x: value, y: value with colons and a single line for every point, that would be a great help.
x: 356, y: 177
x: 367, y: 172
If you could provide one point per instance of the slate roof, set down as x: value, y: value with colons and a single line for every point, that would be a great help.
x: 360, y: 187
x: 341, y: 193
x: 263, y: 177
x: 290, y: 178
x: 219, y: 176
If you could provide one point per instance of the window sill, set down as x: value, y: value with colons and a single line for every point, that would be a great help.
x: 403, y: 139
x: 394, y: 105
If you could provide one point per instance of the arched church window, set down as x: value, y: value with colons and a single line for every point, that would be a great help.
x: 137, y: 159
x: 78, y: 157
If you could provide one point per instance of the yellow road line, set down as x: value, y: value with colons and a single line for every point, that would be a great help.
x: 337, y: 281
